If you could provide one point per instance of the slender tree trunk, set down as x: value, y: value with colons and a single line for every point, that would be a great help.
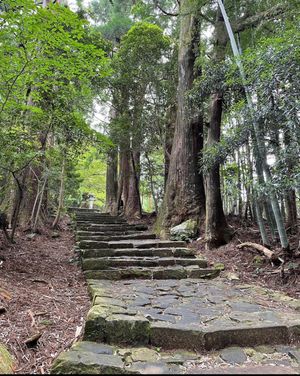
x: 239, y: 184
x: 216, y: 229
x: 61, y: 194
x: 150, y: 172
x: 38, y: 211
x: 184, y: 195
x: 19, y: 195
x: 258, y: 138
x: 111, y: 205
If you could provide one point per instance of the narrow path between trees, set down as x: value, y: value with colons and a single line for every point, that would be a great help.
x: 157, y: 308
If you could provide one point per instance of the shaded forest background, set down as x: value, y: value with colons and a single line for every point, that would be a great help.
x: 183, y: 135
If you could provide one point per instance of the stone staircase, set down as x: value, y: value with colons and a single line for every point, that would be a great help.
x: 158, y: 308
x: 112, y: 249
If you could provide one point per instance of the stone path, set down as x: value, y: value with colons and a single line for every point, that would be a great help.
x: 157, y: 308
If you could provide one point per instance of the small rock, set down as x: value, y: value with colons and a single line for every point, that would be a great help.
x: 55, y: 235
x: 233, y: 355
x: 31, y: 236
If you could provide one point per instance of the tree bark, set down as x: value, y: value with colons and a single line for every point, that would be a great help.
x: 132, y: 206
x: 169, y: 136
x: 216, y: 229
x: 111, y: 205
x: 61, y: 194
x: 184, y: 196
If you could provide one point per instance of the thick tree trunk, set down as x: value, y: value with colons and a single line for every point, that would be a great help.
x: 184, y: 196
x: 169, y: 136
x: 133, y: 207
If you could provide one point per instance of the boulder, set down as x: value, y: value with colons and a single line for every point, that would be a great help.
x: 186, y: 230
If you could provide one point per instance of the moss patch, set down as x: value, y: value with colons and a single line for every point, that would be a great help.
x: 6, y: 361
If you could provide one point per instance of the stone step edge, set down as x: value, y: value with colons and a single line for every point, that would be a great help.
x: 113, y: 237
x: 109, y: 359
x: 152, y: 273
x: 120, y: 329
x: 103, y: 263
x: 138, y: 252
x: 88, y: 244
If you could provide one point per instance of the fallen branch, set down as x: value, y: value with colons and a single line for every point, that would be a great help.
x: 266, y: 251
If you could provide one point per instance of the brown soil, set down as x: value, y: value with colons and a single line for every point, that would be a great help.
x: 44, y: 293
x: 249, y: 265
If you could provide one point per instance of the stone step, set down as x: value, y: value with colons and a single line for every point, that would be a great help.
x: 110, y: 227
x: 103, y: 263
x: 147, y: 252
x: 113, y: 233
x: 86, y: 235
x: 166, y: 272
x: 85, y: 210
x: 99, y: 358
x: 133, y: 243
x: 100, y: 221
x: 88, y: 217
x: 189, y: 314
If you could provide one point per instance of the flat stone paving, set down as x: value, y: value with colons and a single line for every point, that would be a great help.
x: 194, y: 314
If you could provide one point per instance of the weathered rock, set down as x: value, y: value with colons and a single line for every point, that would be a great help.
x: 159, y: 368
x: 176, y: 336
x: 246, y: 336
x: 6, y: 361
x: 80, y: 362
x: 233, y: 355
x: 144, y: 355
x: 93, y: 347
x: 125, y: 329
x: 186, y: 230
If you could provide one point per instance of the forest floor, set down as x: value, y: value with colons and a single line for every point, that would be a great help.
x: 250, y: 266
x: 43, y: 291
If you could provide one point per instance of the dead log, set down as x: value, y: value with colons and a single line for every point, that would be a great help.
x: 266, y: 251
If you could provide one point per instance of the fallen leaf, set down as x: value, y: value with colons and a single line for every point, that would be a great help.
x: 232, y: 276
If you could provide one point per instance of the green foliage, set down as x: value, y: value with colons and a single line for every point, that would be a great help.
x: 91, y: 168
x: 50, y: 64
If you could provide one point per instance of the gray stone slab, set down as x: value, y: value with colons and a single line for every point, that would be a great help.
x: 80, y: 362
x: 233, y: 355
